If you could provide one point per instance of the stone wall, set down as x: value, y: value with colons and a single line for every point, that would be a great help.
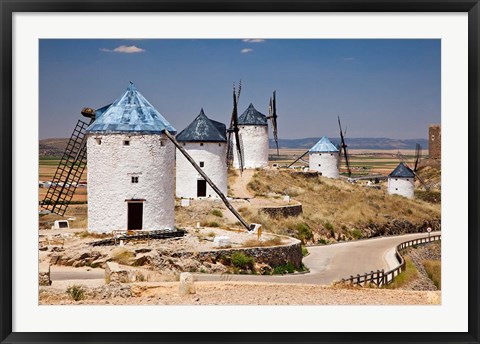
x: 284, y: 211
x: 273, y: 256
x: 434, y: 142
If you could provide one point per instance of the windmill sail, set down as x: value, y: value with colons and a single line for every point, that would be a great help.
x: 272, y: 111
x: 234, y: 130
x: 344, y: 147
x: 69, y: 172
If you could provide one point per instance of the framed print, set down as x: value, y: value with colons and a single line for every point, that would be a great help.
x: 233, y: 171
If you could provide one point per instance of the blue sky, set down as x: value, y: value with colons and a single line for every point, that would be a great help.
x: 380, y: 88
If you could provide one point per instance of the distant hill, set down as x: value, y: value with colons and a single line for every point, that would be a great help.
x: 56, y: 146
x: 353, y: 143
x: 52, y: 147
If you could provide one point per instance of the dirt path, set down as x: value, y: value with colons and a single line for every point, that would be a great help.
x: 239, y: 188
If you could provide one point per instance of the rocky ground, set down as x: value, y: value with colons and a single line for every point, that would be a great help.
x: 237, y: 293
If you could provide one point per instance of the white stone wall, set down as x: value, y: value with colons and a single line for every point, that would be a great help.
x: 401, y: 186
x: 254, y: 140
x: 111, y: 165
x: 326, y: 163
x: 214, y: 156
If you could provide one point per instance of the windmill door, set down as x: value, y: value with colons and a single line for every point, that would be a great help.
x: 201, y: 188
x: 135, y: 215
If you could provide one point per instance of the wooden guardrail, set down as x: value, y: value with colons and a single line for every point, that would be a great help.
x: 380, y: 277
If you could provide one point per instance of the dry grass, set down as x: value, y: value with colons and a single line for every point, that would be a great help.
x: 334, y: 207
x: 275, y: 241
x: 405, y: 277
x: 434, y: 271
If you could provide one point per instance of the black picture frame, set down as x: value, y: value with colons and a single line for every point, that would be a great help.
x: 9, y: 7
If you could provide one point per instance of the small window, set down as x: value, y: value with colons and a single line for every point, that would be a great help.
x: 184, y: 143
x: 396, y: 179
x: 331, y: 154
x: 201, y: 143
x: 396, y: 189
x: 126, y: 142
x: 219, y: 145
x: 319, y: 165
x: 408, y: 179
x: 99, y: 141
x: 162, y: 143
x: 320, y: 154
x: 202, y: 163
x: 135, y: 179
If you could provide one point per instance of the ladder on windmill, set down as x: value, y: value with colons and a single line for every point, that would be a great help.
x: 69, y: 172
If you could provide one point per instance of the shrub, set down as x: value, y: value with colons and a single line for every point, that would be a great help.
x: 304, y: 251
x: 217, y: 212
x: 283, y: 269
x: 76, y: 292
x: 304, y: 232
x: 322, y: 241
x: 242, y: 261
x: 211, y: 234
x: 357, y: 233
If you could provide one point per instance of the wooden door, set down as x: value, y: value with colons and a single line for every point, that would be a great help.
x: 201, y: 188
x: 135, y: 216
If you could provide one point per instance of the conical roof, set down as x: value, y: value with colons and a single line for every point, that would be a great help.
x: 252, y: 117
x: 324, y: 145
x: 131, y: 113
x: 203, y: 129
x: 402, y: 171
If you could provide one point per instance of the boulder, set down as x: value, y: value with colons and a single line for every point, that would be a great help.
x: 186, y: 285
x: 114, y: 273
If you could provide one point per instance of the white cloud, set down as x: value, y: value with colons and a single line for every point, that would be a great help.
x: 124, y: 49
x: 253, y: 40
x: 246, y: 50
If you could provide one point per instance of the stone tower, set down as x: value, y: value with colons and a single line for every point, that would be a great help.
x: 130, y: 167
x: 253, y: 133
x: 206, y: 142
x: 323, y: 158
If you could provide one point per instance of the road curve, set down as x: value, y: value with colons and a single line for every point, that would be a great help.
x: 331, y: 263
x: 326, y: 263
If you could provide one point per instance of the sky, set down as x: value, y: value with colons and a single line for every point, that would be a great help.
x: 379, y: 88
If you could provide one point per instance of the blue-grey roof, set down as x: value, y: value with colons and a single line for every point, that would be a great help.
x: 324, y: 145
x: 402, y: 171
x: 203, y: 129
x: 130, y: 113
x: 101, y: 111
x: 252, y: 117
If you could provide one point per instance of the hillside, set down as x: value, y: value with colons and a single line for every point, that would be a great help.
x: 336, y: 210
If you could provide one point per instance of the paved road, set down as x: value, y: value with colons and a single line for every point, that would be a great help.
x: 326, y: 263
x: 333, y: 262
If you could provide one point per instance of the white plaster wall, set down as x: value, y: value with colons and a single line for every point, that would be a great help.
x: 254, y: 140
x: 214, y: 155
x: 401, y: 186
x: 328, y: 162
x: 110, y: 167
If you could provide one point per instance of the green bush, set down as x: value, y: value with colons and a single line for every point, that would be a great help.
x: 76, y: 292
x: 357, y: 233
x: 217, y: 212
x: 304, y: 251
x: 304, y: 233
x: 242, y: 261
x: 283, y: 269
